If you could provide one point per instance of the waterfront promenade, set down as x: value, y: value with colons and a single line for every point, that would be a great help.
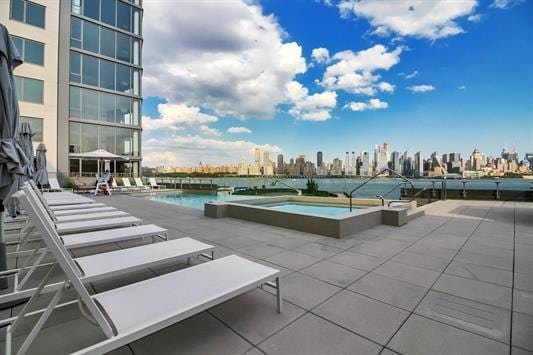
x: 457, y: 280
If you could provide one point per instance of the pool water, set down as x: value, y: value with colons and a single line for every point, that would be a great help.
x: 196, y: 201
x: 312, y: 209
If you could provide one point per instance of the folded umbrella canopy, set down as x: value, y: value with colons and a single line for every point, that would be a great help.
x: 25, y: 139
x: 12, y: 158
x: 41, y: 174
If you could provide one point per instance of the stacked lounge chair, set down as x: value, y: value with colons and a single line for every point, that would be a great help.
x: 128, y: 313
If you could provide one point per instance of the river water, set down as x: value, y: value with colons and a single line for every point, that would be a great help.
x: 378, y: 186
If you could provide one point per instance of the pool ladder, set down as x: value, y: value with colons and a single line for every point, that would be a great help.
x: 382, y: 197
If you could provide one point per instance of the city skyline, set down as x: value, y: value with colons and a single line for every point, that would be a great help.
x: 327, y: 75
x: 365, y: 164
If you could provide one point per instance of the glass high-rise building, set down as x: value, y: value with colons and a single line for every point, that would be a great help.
x: 80, y: 85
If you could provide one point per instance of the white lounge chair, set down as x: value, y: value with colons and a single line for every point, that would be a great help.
x: 85, y: 226
x: 140, y: 184
x: 127, y: 184
x: 91, y: 214
x: 54, y: 184
x: 128, y: 313
x: 153, y: 183
x: 100, y: 266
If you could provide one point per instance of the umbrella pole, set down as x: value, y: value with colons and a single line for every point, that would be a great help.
x: 3, y: 255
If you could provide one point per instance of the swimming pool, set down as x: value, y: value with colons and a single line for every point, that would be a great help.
x: 317, y: 209
x: 195, y: 201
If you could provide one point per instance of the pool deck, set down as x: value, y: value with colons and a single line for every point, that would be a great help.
x: 457, y: 280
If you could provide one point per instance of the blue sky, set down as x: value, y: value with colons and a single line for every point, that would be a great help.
x: 305, y: 75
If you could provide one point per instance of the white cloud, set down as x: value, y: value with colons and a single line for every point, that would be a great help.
x: 354, y: 71
x: 237, y: 130
x: 432, y: 19
x: 409, y: 75
x: 475, y: 18
x: 421, y: 88
x: 320, y: 55
x: 176, y: 117
x: 386, y: 87
x: 505, y: 4
x: 461, y: 87
x: 225, y: 56
x: 372, y: 104
x: 315, y: 107
x: 188, y: 150
x: 208, y: 130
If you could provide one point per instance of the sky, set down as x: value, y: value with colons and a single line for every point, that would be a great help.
x: 222, y: 77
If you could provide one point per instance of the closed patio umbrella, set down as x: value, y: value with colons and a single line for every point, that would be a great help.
x: 26, y: 134
x: 41, y: 174
x: 12, y: 159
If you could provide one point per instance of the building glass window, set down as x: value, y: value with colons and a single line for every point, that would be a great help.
x: 136, y: 17
x: 107, y: 42
x: 75, y: 102
x: 75, y: 32
x: 106, y: 138
x: 90, y: 37
x: 104, y: 74
x: 76, y: 7
x: 36, y: 124
x: 124, y: 142
x: 94, y: 105
x: 30, y: 51
x: 91, y: 9
x: 107, y: 75
x: 86, y: 137
x: 28, y: 12
x: 107, y: 107
x: 90, y: 70
x: 17, y: 10
x: 29, y: 90
x: 34, y: 52
x: 123, y: 79
x: 123, y: 47
x: 89, y: 104
x: 108, y: 11
x: 89, y: 138
x: 123, y: 16
x: 104, y: 41
x: 74, y: 137
x: 75, y: 67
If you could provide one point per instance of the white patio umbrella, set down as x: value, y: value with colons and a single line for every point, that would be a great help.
x: 99, y: 154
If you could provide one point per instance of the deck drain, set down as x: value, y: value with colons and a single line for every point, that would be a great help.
x: 479, y: 318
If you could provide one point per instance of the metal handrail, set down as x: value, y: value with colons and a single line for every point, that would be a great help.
x: 289, y: 186
x: 378, y: 174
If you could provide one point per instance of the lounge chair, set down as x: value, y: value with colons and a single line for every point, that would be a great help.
x: 128, y: 313
x: 100, y: 266
x: 140, y: 184
x: 115, y: 186
x: 54, y: 184
x: 127, y: 184
x: 88, y: 225
x: 90, y: 214
x: 153, y: 183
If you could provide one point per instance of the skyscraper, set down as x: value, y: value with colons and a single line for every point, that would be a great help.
x: 366, y: 169
x: 396, y: 162
x: 319, y: 160
x: 419, y: 165
x: 281, y: 165
x: 80, y: 86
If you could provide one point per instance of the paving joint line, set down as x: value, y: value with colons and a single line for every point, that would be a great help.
x: 436, y: 280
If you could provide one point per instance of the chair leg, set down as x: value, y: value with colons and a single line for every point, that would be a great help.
x: 278, y: 296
